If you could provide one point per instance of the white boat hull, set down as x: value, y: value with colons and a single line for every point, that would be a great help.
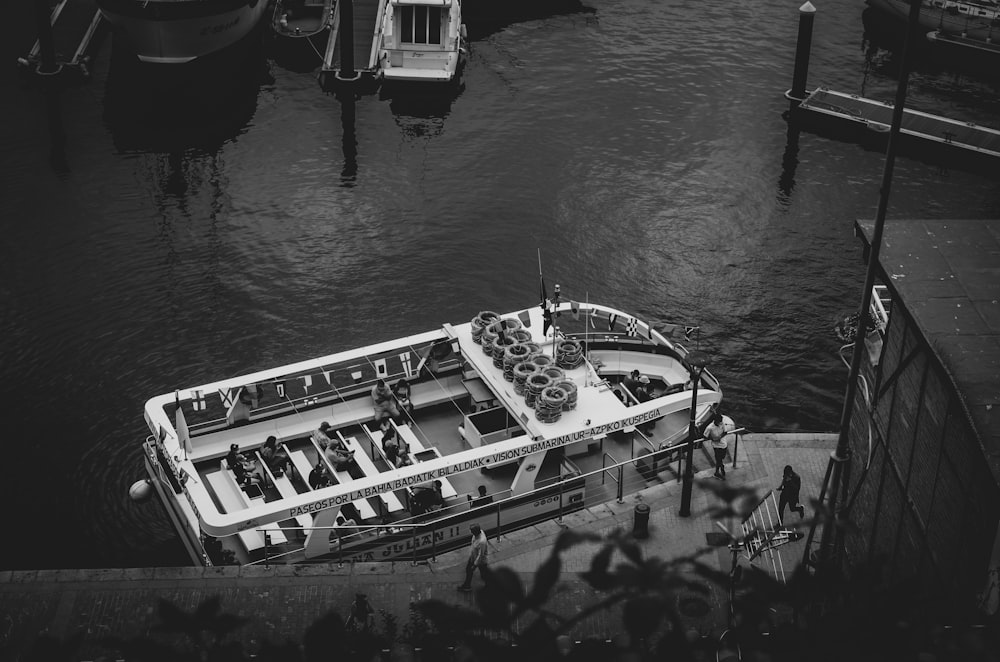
x: 183, y: 39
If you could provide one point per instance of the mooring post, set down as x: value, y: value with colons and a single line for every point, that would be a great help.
x: 43, y: 22
x: 806, y: 15
x: 347, y: 72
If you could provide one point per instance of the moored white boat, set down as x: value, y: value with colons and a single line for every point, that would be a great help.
x: 535, y: 437
x: 975, y: 19
x: 179, y: 31
x: 423, y: 41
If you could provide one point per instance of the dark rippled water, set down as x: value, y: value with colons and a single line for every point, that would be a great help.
x: 230, y: 218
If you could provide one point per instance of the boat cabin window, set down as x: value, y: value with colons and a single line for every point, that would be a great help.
x: 420, y: 25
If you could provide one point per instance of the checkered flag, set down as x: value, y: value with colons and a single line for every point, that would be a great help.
x: 630, y: 327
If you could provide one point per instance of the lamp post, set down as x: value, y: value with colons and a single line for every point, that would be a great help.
x: 696, y: 360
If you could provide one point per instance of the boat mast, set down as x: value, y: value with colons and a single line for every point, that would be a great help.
x: 837, y: 472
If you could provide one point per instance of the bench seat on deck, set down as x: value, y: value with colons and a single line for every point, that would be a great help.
x: 304, y: 467
x: 340, y: 414
x: 228, y: 494
x: 407, y: 434
x: 286, y: 490
x: 660, y: 366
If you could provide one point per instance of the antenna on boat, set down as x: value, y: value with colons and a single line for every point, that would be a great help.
x: 586, y: 339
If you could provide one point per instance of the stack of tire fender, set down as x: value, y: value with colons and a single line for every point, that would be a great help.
x: 549, y: 404
x: 480, y: 322
x: 569, y: 354
x: 513, y: 355
x: 569, y: 388
x: 522, y: 371
x: 534, y: 386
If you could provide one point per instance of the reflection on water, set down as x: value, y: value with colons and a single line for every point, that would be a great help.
x: 199, y: 105
x: 421, y: 113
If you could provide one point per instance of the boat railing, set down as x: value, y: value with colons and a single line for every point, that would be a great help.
x: 611, y: 467
x: 317, y: 398
x: 617, y: 476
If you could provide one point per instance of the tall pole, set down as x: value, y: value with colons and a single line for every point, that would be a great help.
x: 347, y: 71
x: 696, y: 360
x: 807, y: 13
x: 835, y: 479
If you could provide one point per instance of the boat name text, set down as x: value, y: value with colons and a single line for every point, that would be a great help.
x: 468, y: 465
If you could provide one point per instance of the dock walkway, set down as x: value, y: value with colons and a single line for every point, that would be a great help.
x: 874, y: 118
x: 366, y: 33
x: 281, y: 602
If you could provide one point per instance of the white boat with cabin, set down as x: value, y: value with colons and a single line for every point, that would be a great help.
x: 422, y: 41
x: 531, y: 417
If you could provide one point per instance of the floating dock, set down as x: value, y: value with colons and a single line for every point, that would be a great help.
x: 869, y: 119
x: 367, y: 32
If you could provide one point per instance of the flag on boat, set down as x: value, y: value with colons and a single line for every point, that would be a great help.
x: 198, y: 401
x: 575, y: 307
x: 689, y: 330
x: 183, y: 437
x: 546, y: 320
x: 525, y: 318
x: 630, y: 327
x: 228, y: 396
x: 611, y: 321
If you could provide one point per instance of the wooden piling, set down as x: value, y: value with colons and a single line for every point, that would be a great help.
x: 807, y: 13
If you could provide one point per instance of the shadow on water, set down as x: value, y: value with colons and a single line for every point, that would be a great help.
x: 484, y: 17
x: 421, y: 113
x: 199, y: 105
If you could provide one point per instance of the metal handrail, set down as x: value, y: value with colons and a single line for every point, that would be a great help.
x: 615, y: 469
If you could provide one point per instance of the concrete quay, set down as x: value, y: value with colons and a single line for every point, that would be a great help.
x: 280, y: 602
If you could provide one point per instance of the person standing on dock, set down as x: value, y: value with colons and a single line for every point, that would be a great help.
x: 716, y: 433
x: 789, y: 488
x: 477, y: 557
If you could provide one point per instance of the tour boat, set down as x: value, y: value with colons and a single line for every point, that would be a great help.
x: 531, y: 409
x: 975, y: 19
x: 179, y: 31
x: 423, y: 41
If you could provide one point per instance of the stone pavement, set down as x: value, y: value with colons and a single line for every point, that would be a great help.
x: 280, y: 602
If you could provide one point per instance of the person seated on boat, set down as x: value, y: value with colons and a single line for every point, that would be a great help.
x: 324, y: 434
x: 631, y: 383
x: 426, y: 498
x: 319, y: 477
x: 275, y: 459
x: 644, y: 394
x: 342, y: 530
x: 390, y: 444
x: 401, y: 391
x: 385, y: 401
x: 621, y: 396
x: 339, y: 455
x: 241, y: 466
x: 482, y: 500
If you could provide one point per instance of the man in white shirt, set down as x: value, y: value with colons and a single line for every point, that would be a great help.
x: 477, y: 557
x: 716, y: 433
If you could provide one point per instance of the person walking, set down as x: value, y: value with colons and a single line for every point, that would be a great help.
x: 789, y: 488
x: 477, y: 557
x: 716, y: 433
